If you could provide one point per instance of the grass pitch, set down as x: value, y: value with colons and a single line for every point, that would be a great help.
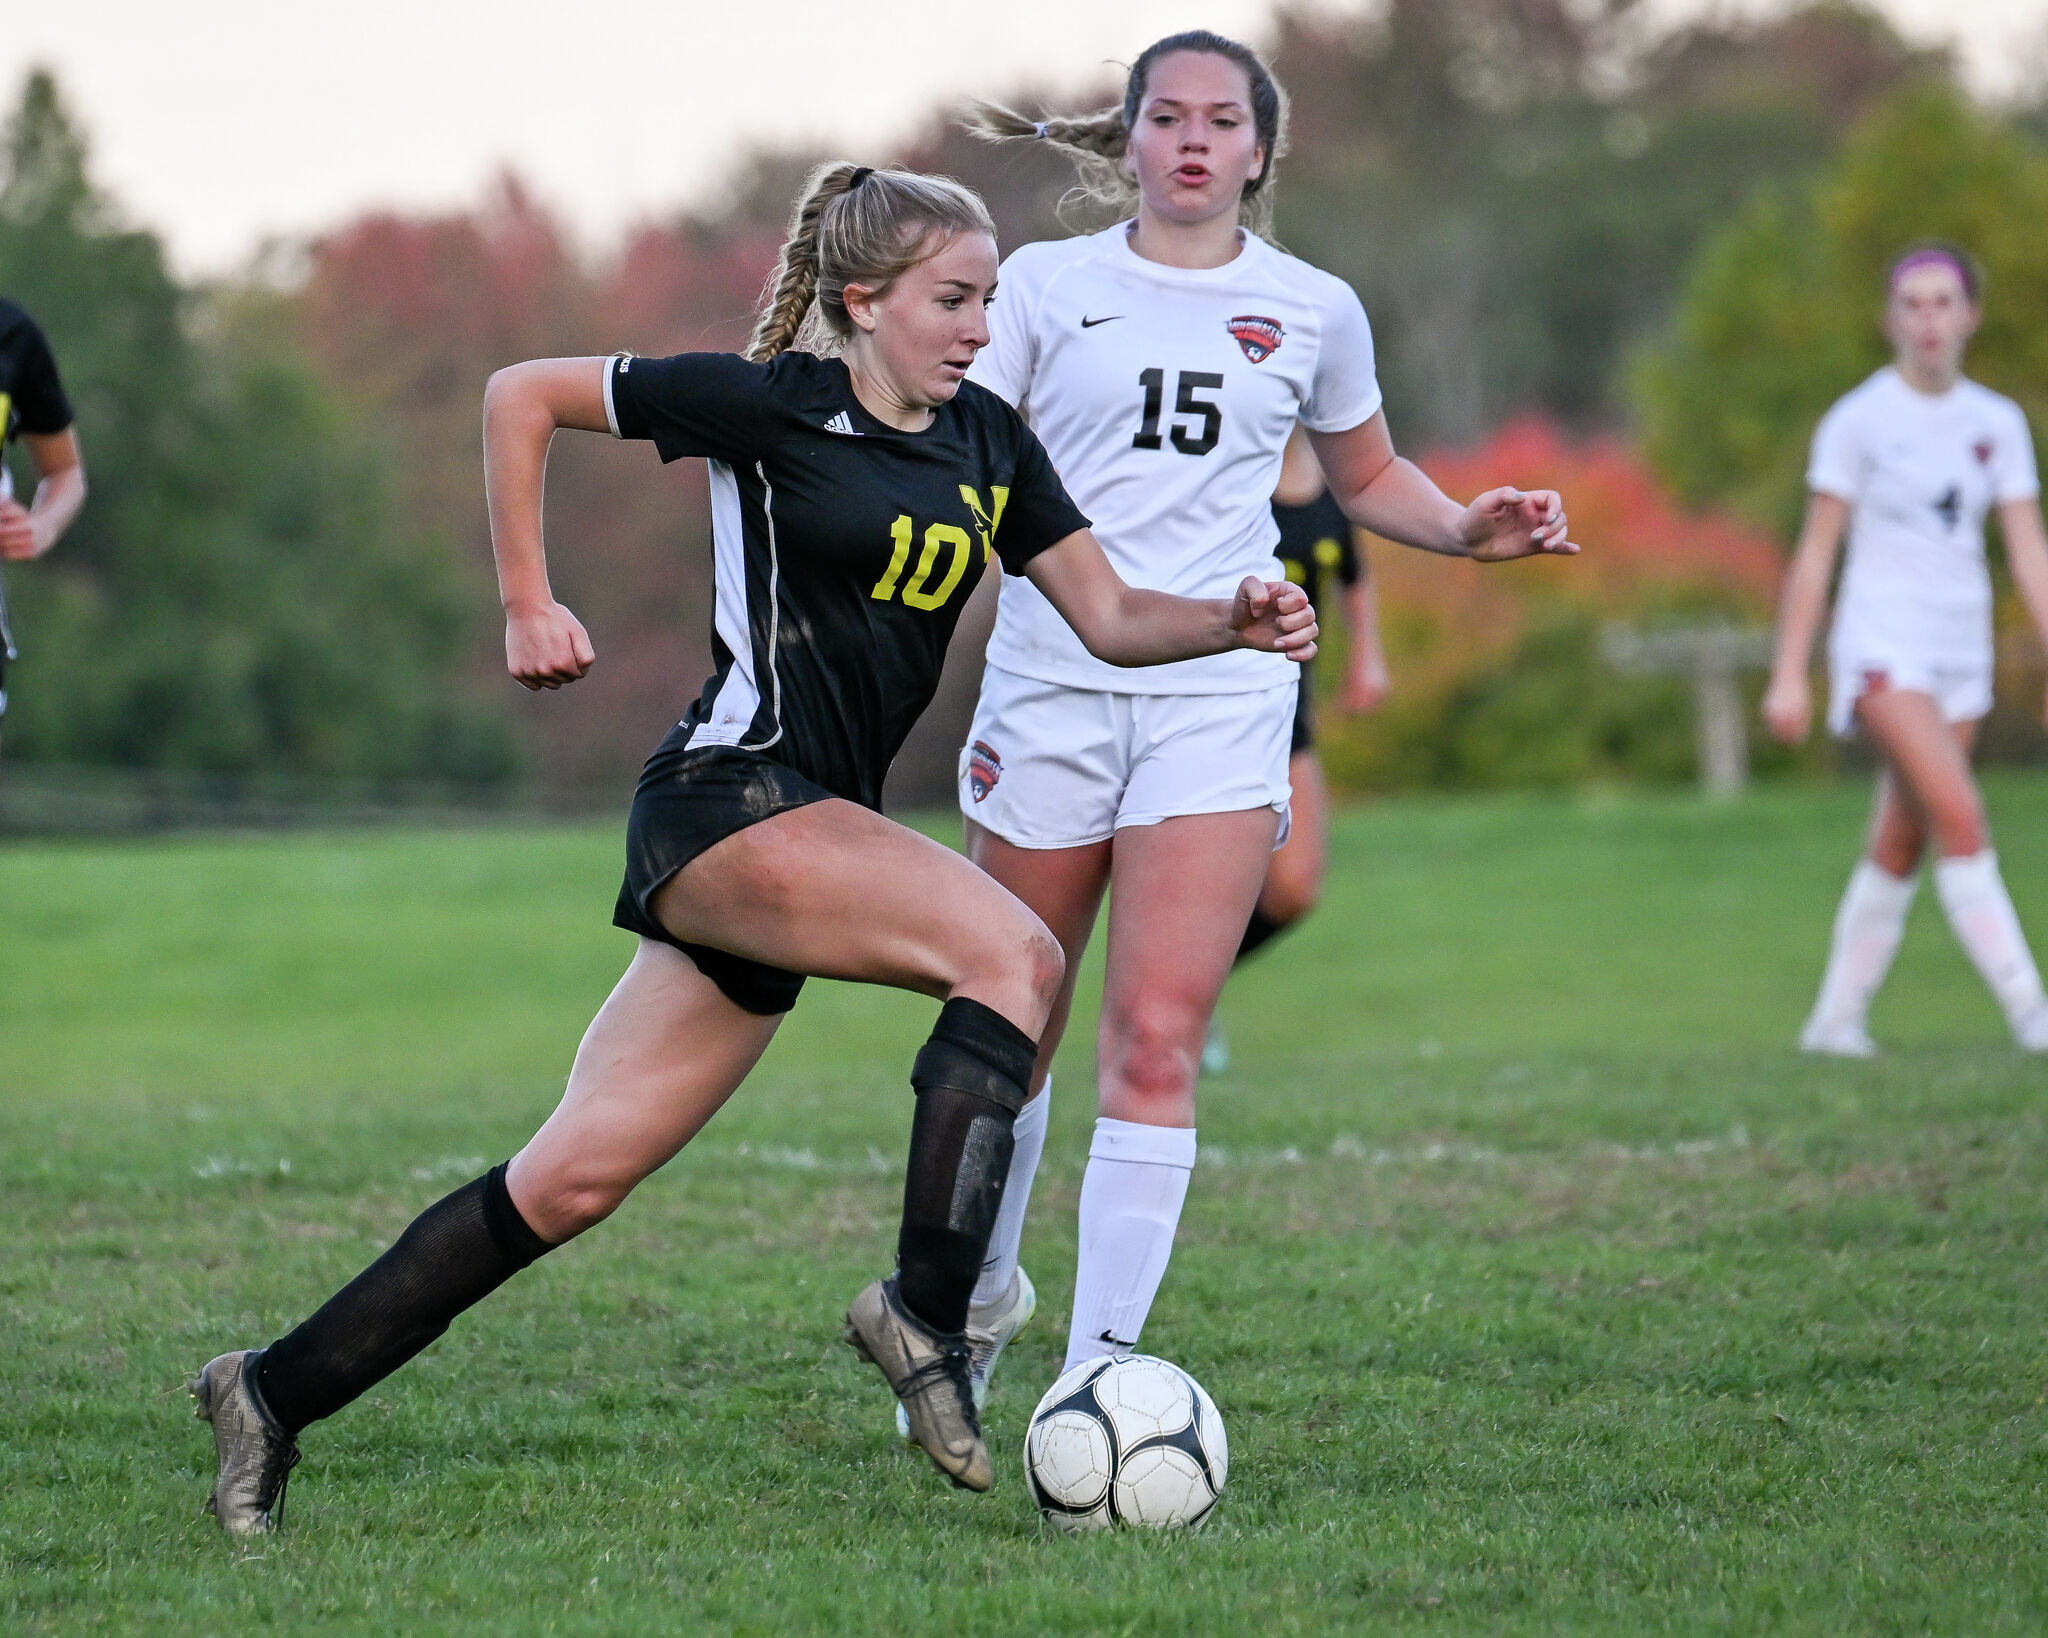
x: 1543, y: 1287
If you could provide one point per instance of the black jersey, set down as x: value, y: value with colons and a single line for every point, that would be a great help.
x: 843, y: 548
x: 1315, y: 540
x: 31, y: 396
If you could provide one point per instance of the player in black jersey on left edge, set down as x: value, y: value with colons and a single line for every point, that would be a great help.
x: 34, y: 410
x: 855, y: 502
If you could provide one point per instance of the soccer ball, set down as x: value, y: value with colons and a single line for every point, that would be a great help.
x: 1125, y: 1441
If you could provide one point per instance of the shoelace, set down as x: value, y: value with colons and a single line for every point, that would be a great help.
x: 275, y: 1507
x: 951, y: 1364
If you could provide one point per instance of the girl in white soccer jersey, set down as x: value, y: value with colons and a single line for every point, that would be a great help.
x: 1163, y: 363
x: 1908, y: 464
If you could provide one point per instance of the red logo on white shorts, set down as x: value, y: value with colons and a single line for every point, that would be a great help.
x: 984, y: 768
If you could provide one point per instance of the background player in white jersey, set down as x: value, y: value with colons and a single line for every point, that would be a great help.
x: 1909, y: 464
x: 1164, y: 363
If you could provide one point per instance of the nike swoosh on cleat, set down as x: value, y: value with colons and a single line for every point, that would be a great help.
x: 1089, y: 323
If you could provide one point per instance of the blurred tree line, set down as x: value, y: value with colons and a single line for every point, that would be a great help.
x: 285, y: 559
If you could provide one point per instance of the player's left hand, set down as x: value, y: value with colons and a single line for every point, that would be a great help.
x: 1509, y: 523
x: 17, y: 532
x: 1274, y: 615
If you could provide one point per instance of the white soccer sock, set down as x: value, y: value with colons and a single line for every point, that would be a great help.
x: 1868, y: 927
x: 1000, y: 1265
x: 1980, y: 911
x: 1131, y: 1196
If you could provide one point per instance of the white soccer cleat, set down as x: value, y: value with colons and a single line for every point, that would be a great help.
x: 1846, y: 1038
x: 989, y: 1330
x: 2030, y: 1029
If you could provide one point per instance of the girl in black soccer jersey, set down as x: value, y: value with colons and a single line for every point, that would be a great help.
x: 856, y: 501
x: 34, y: 410
x: 1316, y: 541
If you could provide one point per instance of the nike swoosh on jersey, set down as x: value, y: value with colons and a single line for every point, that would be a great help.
x: 1089, y: 323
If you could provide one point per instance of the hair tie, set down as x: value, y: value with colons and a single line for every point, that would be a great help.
x: 860, y: 174
x: 1042, y: 130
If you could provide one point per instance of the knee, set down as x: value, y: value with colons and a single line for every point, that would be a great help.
x: 1286, y: 902
x: 560, y: 1208
x: 1958, y: 824
x: 1044, y: 964
x: 1154, y: 1047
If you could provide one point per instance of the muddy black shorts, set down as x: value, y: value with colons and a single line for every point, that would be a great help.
x: 688, y: 801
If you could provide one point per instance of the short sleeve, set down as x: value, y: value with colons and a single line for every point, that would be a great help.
x: 39, y: 398
x: 1836, y: 464
x: 2013, y: 474
x: 1040, y: 512
x: 710, y: 404
x: 1004, y: 365
x: 1345, y: 391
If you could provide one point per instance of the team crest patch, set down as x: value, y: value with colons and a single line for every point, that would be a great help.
x: 1982, y: 450
x: 1259, y: 337
x: 984, y: 768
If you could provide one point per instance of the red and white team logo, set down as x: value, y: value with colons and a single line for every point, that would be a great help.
x: 984, y: 768
x: 1259, y: 337
x: 1982, y: 450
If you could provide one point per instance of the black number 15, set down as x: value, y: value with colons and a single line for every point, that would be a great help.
x: 1185, y: 439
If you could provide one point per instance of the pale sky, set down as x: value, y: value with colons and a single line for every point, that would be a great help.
x: 221, y: 122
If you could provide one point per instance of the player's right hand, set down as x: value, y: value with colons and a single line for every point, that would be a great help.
x: 547, y: 647
x: 17, y: 531
x: 1788, y: 708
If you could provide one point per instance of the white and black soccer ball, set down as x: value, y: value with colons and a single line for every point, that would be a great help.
x: 1126, y: 1441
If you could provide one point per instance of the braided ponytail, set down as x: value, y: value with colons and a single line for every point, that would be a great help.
x: 1098, y: 141
x: 853, y: 224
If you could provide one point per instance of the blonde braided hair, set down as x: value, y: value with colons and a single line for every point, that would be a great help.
x: 855, y: 225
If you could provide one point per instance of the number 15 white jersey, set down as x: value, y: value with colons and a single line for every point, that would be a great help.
x: 1165, y: 396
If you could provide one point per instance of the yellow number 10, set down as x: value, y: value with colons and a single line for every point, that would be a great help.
x: 935, y: 537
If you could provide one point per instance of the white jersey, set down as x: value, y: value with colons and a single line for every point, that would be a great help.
x: 1165, y: 396
x: 1919, y: 472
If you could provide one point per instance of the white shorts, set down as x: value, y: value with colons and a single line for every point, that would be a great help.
x: 1051, y: 766
x: 1960, y: 684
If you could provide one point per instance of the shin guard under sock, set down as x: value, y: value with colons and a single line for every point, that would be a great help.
x: 970, y: 1079
x: 453, y: 1255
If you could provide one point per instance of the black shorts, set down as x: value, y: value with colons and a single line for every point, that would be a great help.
x: 1304, y: 738
x: 686, y: 802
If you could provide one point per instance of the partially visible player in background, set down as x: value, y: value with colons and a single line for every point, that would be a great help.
x: 1909, y: 464
x: 1316, y: 539
x: 34, y: 410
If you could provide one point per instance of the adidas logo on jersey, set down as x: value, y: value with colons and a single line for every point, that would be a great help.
x: 843, y: 423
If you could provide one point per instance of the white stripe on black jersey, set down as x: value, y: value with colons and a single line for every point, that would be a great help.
x: 843, y: 549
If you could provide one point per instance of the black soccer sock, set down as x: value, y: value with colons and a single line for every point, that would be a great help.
x: 1256, y: 932
x: 453, y: 1255
x: 970, y: 1079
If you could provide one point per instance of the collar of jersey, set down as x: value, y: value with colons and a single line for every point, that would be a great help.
x: 1119, y: 238
x: 870, y: 424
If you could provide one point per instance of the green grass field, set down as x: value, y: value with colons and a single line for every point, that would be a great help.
x: 1543, y: 1287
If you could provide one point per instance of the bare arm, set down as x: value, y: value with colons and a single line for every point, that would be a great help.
x: 1788, y: 702
x: 1126, y: 625
x: 2026, y: 554
x: 545, y: 645
x: 28, y: 532
x: 1380, y: 491
x: 1365, y: 677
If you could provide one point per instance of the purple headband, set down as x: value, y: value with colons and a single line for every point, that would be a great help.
x: 1933, y: 256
